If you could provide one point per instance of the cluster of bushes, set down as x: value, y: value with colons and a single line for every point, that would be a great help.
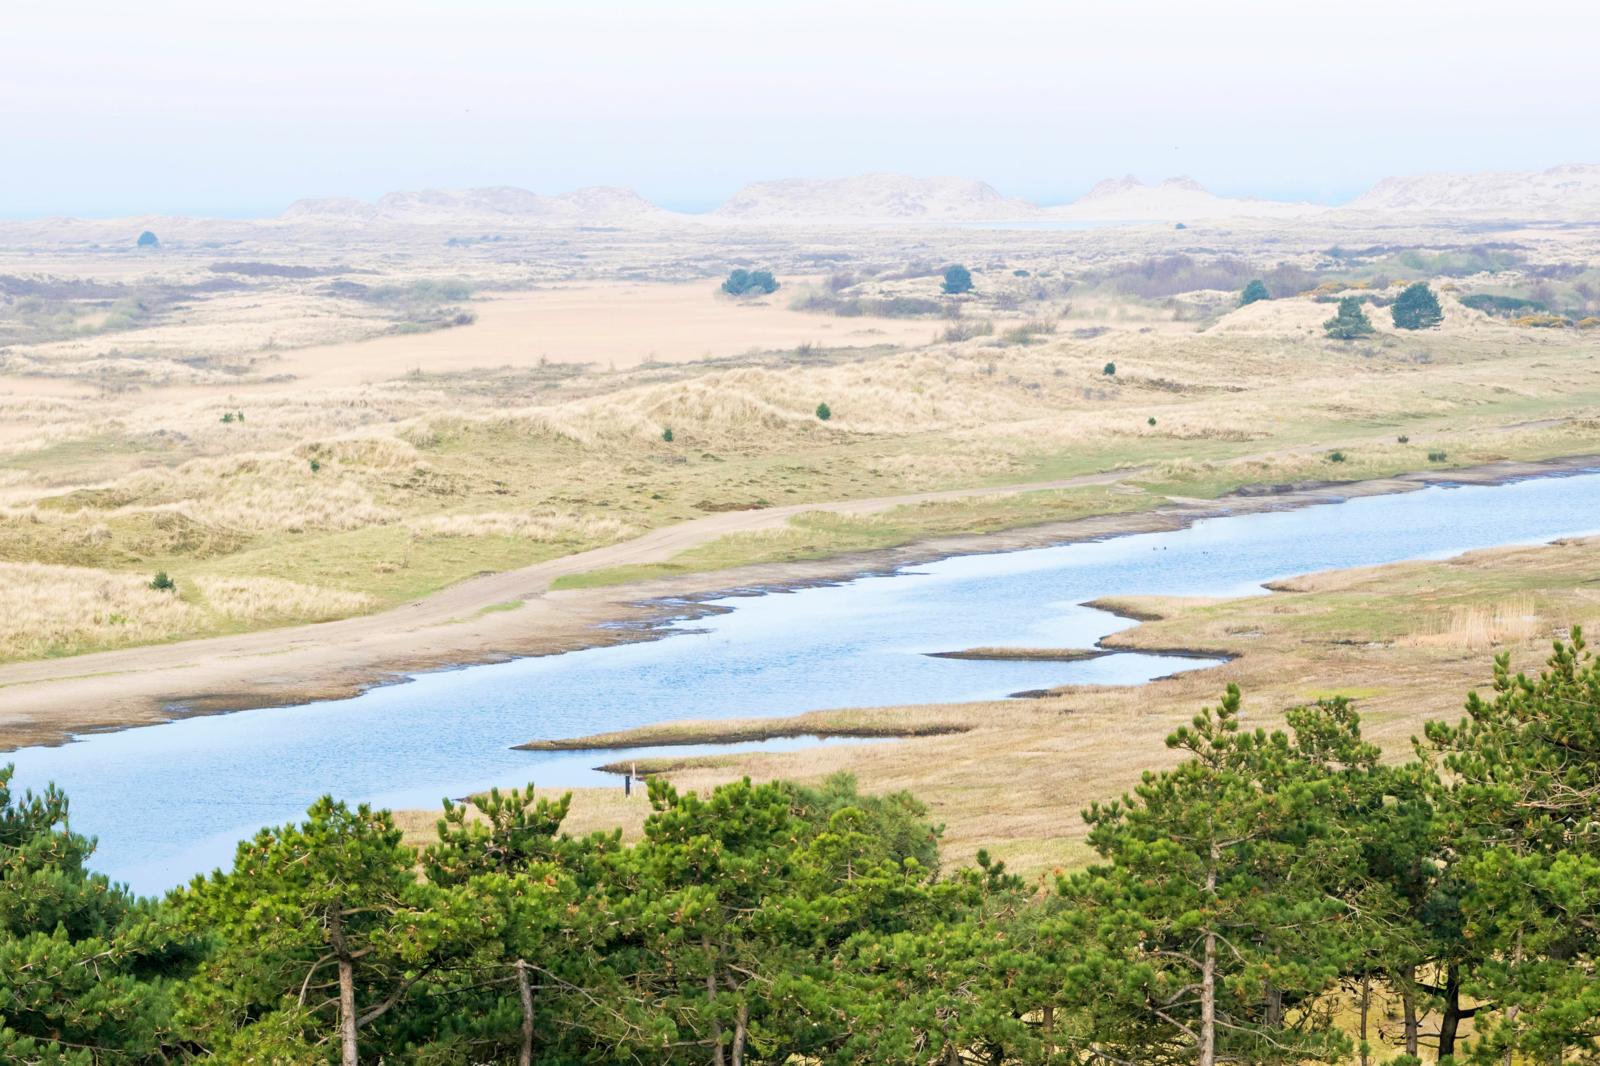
x: 855, y: 306
x: 1504, y: 306
x: 1157, y: 277
x: 741, y: 282
x: 1250, y: 904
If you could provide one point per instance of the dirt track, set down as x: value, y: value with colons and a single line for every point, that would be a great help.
x: 45, y: 701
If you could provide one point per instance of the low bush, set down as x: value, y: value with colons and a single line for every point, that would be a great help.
x: 741, y: 282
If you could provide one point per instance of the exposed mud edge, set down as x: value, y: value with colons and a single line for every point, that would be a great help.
x: 738, y: 732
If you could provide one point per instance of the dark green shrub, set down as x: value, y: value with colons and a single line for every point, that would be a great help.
x: 1417, y: 308
x: 1351, y: 322
x: 1109, y: 370
x: 957, y: 280
x: 742, y: 282
x: 1336, y: 457
x: 1491, y: 304
x: 1151, y: 420
x: 162, y: 583
x: 316, y: 464
x: 1403, y: 439
x: 824, y: 412
x: 1437, y: 457
x: 1256, y: 290
x: 666, y: 434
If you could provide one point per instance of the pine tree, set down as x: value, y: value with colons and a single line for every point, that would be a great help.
x: 1525, y: 791
x: 1417, y: 308
x: 319, y: 931
x: 86, y: 969
x: 1211, y: 922
x: 957, y: 280
x: 1350, y: 322
x: 1256, y: 290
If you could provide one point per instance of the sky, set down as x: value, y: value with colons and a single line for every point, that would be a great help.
x: 237, y: 108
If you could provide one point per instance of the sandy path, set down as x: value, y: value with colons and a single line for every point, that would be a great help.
x: 44, y: 700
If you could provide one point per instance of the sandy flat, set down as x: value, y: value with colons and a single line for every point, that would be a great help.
x: 610, y: 325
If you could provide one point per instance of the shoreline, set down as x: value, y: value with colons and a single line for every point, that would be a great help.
x: 46, y: 699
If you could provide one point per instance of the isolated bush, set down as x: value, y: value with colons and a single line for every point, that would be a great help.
x: 824, y: 412
x: 1403, y: 439
x: 1151, y: 420
x: 1336, y: 457
x: 742, y: 282
x: 1109, y: 370
x: 149, y: 240
x: 666, y: 434
x: 1256, y: 290
x: 1028, y: 331
x: 1417, y: 308
x: 162, y: 583
x: 1436, y: 457
x: 1351, y: 322
x: 957, y: 280
x: 965, y: 331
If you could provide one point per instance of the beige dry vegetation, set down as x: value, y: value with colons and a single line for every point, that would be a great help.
x: 374, y: 471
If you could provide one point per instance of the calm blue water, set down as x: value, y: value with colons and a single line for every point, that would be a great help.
x: 171, y: 800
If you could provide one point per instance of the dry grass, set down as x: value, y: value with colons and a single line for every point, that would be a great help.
x: 1481, y: 627
x: 492, y: 460
x: 61, y: 610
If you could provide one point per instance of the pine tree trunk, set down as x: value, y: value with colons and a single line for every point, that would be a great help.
x: 525, y: 993
x: 1408, y: 1000
x: 1049, y: 1028
x: 717, y: 1058
x: 1450, y: 1024
x: 1272, y: 1013
x: 349, y: 1051
x: 1208, y: 977
x: 740, y: 1029
x: 1511, y: 1011
x: 1366, y: 1007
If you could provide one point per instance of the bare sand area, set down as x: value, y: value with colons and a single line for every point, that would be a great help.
x: 616, y: 325
x: 45, y: 701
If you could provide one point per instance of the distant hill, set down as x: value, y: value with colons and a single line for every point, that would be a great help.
x: 497, y: 204
x: 872, y: 198
x: 1175, y: 200
x: 1571, y: 191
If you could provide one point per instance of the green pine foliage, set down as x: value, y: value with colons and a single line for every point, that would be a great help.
x: 1349, y: 322
x: 85, y: 968
x: 957, y: 280
x: 1256, y: 901
x: 741, y: 282
x: 1256, y: 290
x: 1416, y: 308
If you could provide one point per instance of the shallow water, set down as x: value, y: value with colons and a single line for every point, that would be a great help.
x: 169, y: 801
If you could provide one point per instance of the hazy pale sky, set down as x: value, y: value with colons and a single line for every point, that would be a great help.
x: 237, y: 107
